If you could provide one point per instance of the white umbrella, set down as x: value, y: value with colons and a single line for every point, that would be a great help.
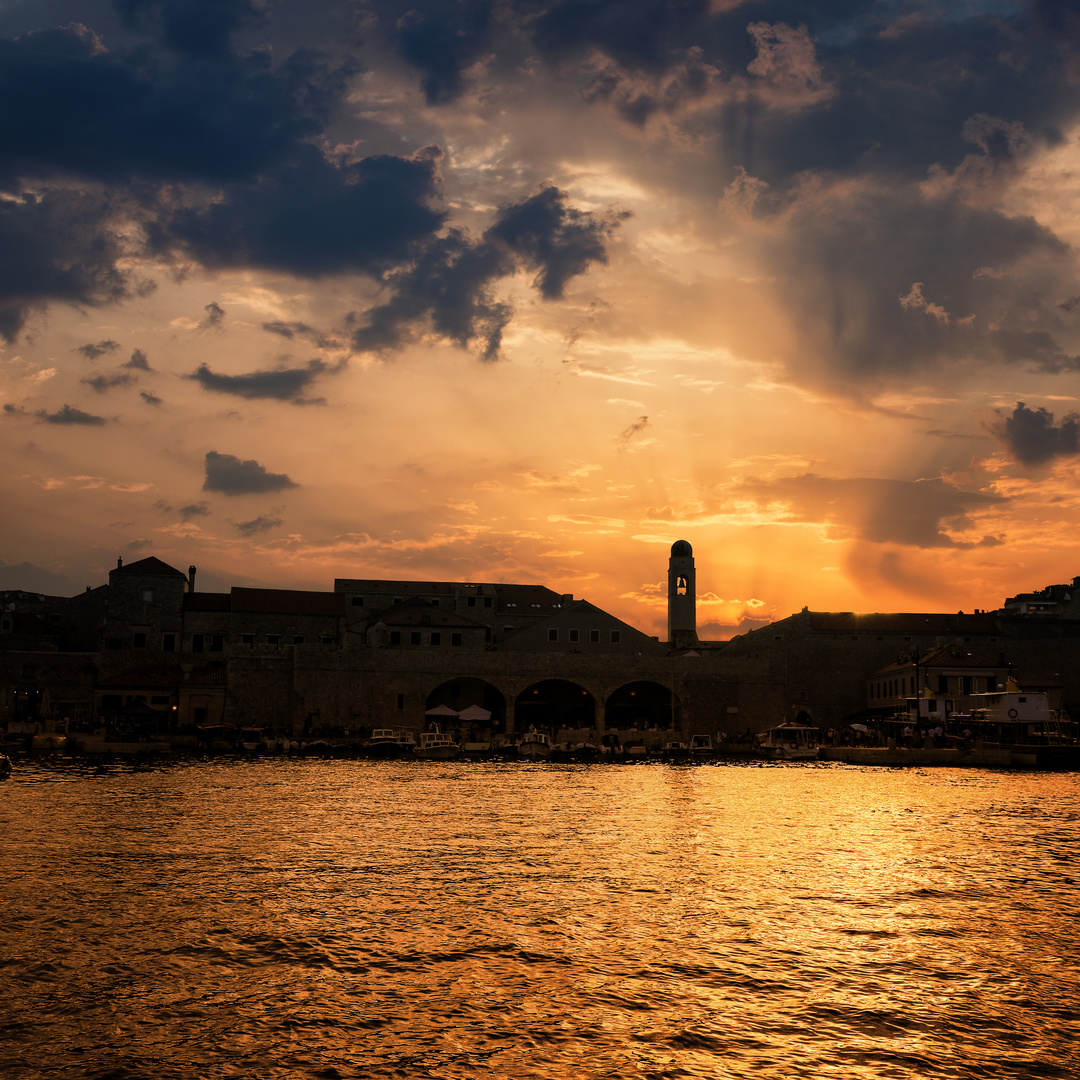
x: 858, y: 727
x: 441, y: 710
x: 474, y: 712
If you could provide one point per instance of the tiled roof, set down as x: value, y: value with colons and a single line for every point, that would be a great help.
x: 948, y: 656
x: 207, y: 601
x: 149, y: 567
x: 287, y: 602
x: 902, y: 622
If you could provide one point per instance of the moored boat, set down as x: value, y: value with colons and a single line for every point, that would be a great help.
x: 788, y: 742
x: 386, y: 743
x: 701, y: 748
x: 437, y: 746
x: 534, y: 746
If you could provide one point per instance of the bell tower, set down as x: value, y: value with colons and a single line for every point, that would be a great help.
x: 681, y: 596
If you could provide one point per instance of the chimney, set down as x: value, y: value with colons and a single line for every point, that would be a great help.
x: 119, y: 561
x: 191, y: 578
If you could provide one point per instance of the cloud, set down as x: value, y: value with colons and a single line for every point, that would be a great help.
x: 102, y: 383
x: 68, y: 414
x: 313, y: 217
x: 635, y: 429
x: 443, y: 44
x: 232, y: 476
x: 100, y: 348
x: 138, y: 361
x: 914, y: 513
x: 1034, y: 439
x: 448, y: 289
x: 282, y: 384
x: 31, y: 578
x: 149, y: 397
x: 199, y: 509
x: 263, y: 523
x: 214, y: 317
x: 194, y: 27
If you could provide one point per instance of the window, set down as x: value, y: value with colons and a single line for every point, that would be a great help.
x: 553, y: 633
x: 327, y: 640
x: 138, y: 640
x: 247, y: 639
x: 572, y: 634
x: 5, y: 625
x: 148, y: 596
x: 273, y: 639
x: 298, y: 639
x: 217, y: 642
x: 616, y: 637
x: 401, y: 701
x: 197, y: 642
x: 681, y: 586
x: 357, y: 601
x: 487, y: 601
x: 471, y: 602
x: 168, y: 643
x: 159, y: 699
x: 436, y: 637
x: 455, y: 639
x: 395, y: 637
x: 435, y: 602
x: 414, y: 637
x: 594, y: 635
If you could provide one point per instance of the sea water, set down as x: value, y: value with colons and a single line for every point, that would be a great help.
x: 326, y: 919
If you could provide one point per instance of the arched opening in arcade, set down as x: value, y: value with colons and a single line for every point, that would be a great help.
x: 643, y: 705
x: 553, y: 705
x: 470, y: 706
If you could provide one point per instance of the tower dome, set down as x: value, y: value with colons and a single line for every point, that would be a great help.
x: 682, y: 548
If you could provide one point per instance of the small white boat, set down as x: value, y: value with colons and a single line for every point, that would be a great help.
x: 789, y: 742
x: 534, y: 746
x: 437, y: 746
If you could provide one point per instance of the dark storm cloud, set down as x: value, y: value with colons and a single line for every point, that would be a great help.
x: 68, y: 414
x: 1034, y: 439
x: 97, y: 349
x: 72, y: 105
x: 232, y: 476
x: 449, y: 286
x: 442, y: 41
x: 198, y: 27
x: 283, y: 384
x: 102, y: 383
x: 263, y: 523
x: 57, y: 245
x: 199, y: 509
x: 314, y: 217
x: 883, y: 281
x: 879, y: 511
x: 557, y: 240
x: 138, y: 361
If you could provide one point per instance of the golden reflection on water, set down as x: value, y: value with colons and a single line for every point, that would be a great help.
x: 342, y: 919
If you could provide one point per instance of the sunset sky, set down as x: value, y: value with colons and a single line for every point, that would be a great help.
x: 514, y: 290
